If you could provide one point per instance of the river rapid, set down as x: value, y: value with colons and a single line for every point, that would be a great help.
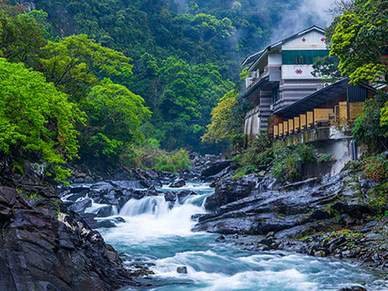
x: 160, y: 237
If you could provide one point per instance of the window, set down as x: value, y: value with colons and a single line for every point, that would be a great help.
x: 302, y: 57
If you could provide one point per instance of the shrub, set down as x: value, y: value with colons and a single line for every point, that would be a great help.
x: 257, y: 156
x: 369, y: 128
x: 115, y: 118
x: 375, y: 168
x: 289, y: 160
x: 378, y: 198
x: 172, y: 162
x: 151, y: 157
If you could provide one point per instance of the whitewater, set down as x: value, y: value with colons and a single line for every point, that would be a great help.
x: 158, y: 235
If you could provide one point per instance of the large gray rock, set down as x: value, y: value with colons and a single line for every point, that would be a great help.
x: 80, y: 205
x: 215, y: 168
x: 230, y: 190
x: 45, y: 249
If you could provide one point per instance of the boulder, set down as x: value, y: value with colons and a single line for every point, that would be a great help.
x: 81, y: 205
x: 47, y: 249
x: 170, y: 196
x: 182, y: 270
x: 104, y: 211
x: 109, y: 223
x: 182, y: 195
x: 228, y: 191
x: 178, y: 183
x: 215, y: 168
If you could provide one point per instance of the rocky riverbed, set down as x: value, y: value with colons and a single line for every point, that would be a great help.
x: 325, y: 216
x: 172, y: 230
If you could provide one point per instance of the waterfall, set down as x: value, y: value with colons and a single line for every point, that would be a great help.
x: 155, y: 205
x: 152, y: 218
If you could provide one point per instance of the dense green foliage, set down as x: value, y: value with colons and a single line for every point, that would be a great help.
x: 184, y: 52
x: 286, y: 163
x: 359, y: 39
x: 369, y: 128
x: 224, y: 125
x: 37, y: 121
x: 151, y: 157
x: 86, y: 73
x: 76, y: 63
x: 183, y: 102
x: 115, y: 118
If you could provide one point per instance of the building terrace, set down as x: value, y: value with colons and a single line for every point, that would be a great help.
x: 323, y: 115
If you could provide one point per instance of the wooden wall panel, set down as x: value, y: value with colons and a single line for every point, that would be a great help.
x: 296, y: 123
x: 322, y: 115
x: 285, y: 127
x: 355, y: 109
x: 310, y: 118
x: 281, y: 131
x: 275, y: 131
x: 291, y: 125
x: 303, y: 121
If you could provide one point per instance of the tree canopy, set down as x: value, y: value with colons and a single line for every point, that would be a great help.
x: 76, y: 63
x: 115, y: 117
x: 359, y: 40
x: 36, y: 120
x: 223, y: 126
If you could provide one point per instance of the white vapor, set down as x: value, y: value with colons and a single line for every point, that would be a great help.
x: 307, y: 13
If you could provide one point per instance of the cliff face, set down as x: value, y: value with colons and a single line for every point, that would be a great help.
x: 43, y: 248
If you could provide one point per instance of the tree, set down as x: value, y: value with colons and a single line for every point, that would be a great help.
x: 223, y: 122
x: 189, y: 94
x: 326, y: 68
x: 115, y: 118
x: 359, y: 40
x: 22, y: 36
x: 37, y: 122
x: 76, y: 63
x: 370, y: 128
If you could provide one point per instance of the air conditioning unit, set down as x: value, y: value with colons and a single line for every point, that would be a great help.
x: 271, y: 107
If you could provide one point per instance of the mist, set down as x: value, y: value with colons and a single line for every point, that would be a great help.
x: 309, y: 12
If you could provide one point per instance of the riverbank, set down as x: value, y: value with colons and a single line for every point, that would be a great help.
x: 173, y: 231
x: 328, y: 216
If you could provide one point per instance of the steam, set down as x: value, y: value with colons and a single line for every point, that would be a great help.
x: 307, y: 13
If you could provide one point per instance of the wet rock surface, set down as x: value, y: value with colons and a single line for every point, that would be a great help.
x: 45, y: 248
x: 317, y: 217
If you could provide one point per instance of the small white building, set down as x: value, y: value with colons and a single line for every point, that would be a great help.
x: 281, y: 74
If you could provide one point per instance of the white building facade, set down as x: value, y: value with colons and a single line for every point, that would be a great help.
x: 280, y: 75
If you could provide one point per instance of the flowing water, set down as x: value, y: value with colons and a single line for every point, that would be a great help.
x: 162, y: 237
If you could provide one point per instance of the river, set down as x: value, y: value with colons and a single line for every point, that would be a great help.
x: 162, y: 238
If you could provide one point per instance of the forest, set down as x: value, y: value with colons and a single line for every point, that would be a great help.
x: 132, y: 75
x: 128, y: 160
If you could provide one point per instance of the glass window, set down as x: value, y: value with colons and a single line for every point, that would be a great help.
x: 302, y: 57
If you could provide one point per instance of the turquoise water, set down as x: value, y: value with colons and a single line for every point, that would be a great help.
x: 162, y: 237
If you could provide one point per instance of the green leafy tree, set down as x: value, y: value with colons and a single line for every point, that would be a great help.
x: 370, y: 128
x: 115, y: 118
x: 189, y: 94
x: 326, y: 68
x: 223, y: 125
x: 359, y: 40
x: 37, y: 121
x: 22, y: 36
x: 76, y: 63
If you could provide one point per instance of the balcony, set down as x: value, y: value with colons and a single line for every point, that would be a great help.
x: 272, y: 72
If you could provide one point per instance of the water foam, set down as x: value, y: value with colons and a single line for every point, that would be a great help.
x: 152, y: 218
